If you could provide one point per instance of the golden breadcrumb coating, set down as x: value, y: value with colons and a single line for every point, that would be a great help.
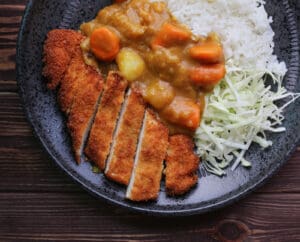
x: 121, y: 159
x: 79, y: 84
x: 145, y: 181
x: 101, y: 135
x: 59, y: 48
x: 73, y: 81
x: 83, y: 109
x: 181, y: 165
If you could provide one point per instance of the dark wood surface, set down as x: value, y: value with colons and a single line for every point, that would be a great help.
x: 39, y: 202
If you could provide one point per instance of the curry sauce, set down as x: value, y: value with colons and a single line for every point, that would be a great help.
x: 172, y: 68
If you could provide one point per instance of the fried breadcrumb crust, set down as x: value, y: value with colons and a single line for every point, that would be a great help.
x: 83, y: 109
x: 79, y: 85
x: 181, y: 165
x: 121, y: 160
x: 74, y: 80
x: 101, y: 135
x: 147, y: 172
x: 59, y: 48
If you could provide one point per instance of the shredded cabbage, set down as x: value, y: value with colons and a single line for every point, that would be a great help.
x: 238, y: 112
x: 241, y: 108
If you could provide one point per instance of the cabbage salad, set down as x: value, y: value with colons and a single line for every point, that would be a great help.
x: 242, y: 108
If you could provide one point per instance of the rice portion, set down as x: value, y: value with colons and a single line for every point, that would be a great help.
x: 243, y: 26
x: 241, y: 108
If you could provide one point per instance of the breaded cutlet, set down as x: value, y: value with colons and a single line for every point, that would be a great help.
x: 121, y: 159
x: 145, y: 180
x: 181, y: 165
x: 140, y: 141
x: 101, y: 135
x: 59, y: 48
x: 79, y: 85
x: 84, y: 108
x: 73, y: 80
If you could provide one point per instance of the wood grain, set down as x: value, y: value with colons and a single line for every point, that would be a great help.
x: 44, y: 216
x: 39, y: 202
x: 10, y: 16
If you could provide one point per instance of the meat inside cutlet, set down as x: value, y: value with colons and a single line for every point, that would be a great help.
x: 145, y: 180
x: 181, y: 165
x: 59, y: 49
x: 121, y: 159
x: 101, y: 135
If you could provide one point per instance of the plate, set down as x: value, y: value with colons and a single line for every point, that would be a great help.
x: 48, y: 122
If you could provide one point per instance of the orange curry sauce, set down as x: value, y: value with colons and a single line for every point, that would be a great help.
x: 171, y: 67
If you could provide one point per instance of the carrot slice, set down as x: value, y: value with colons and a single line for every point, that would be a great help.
x: 169, y: 35
x: 184, y: 112
x: 105, y: 44
x: 207, y: 75
x: 193, y: 120
x: 208, y: 52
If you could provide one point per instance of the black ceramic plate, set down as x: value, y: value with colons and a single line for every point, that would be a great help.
x: 48, y: 122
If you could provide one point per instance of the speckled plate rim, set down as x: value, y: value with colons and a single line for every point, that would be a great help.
x: 88, y: 187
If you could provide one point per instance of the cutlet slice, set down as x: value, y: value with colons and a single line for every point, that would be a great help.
x: 73, y: 80
x: 101, y: 135
x: 80, y: 85
x: 145, y: 180
x: 181, y: 165
x: 121, y: 159
x: 59, y: 48
x: 84, y: 108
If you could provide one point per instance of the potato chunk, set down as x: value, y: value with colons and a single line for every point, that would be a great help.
x: 130, y: 63
x: 159, y: 94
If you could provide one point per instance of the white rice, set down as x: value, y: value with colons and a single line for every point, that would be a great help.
x: 243, y: 26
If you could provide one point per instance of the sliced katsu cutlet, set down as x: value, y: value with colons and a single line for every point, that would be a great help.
x: 181, y: 165
x: 84, y: 108
x: 59, y: 48
x: 145, y: 180
x: 101, y: 135
x: 121, y: 159
x: 73, y: 80
x: 79, y: 85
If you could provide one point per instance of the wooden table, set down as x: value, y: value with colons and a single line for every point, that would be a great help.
x: 39, y: 202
